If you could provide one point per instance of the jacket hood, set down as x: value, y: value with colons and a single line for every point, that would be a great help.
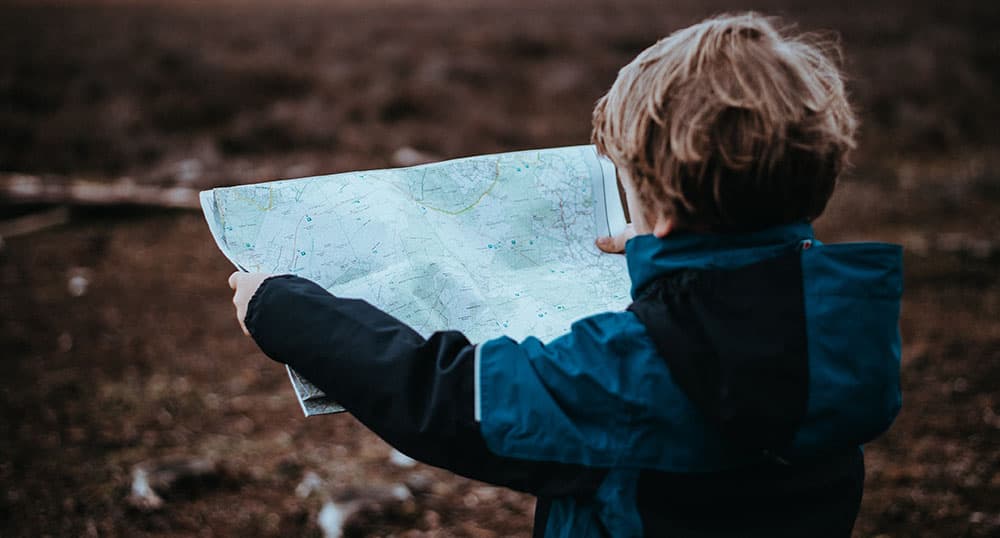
x: 849, y: 295
x: 650, y: 257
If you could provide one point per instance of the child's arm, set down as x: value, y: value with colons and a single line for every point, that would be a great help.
x: 416, y: 393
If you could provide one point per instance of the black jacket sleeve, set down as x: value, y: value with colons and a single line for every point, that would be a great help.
x: 416, y: 393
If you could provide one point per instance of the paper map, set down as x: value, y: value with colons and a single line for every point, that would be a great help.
x: 489, y: 245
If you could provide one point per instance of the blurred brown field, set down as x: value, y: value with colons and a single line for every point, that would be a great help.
x: 117, y: 335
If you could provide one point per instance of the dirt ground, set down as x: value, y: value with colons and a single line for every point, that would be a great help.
x: 117, y: 336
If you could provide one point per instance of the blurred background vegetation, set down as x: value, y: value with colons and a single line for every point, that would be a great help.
x: 119, y: 344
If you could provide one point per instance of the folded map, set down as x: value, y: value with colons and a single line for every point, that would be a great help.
x: 490, y: 245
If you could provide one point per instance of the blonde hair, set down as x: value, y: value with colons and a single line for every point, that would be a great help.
x: 730, y: 124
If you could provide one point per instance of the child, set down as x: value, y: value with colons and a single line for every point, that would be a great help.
x: 733, y: 395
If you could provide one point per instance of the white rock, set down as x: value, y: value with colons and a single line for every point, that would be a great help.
x: 407, y: 156
x: 331, y: 520
x: 310, y: 483
x: 154, y: 480
x: 141, y: 495
x: 77, y: 285
x: 399, y: 459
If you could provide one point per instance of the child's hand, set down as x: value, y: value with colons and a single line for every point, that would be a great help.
x: 615, y: 244
x: 245, y: 285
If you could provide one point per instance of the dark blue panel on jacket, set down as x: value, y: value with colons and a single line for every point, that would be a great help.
x: 735, y: 342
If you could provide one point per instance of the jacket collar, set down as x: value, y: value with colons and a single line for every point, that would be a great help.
x: 649, y: 257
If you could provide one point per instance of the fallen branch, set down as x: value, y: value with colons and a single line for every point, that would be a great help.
x: 34, y: 222
x: 22, y: 188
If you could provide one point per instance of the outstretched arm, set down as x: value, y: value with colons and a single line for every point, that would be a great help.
x: 416, y: 393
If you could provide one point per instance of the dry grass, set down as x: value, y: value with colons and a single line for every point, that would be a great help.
x: 149, y: 363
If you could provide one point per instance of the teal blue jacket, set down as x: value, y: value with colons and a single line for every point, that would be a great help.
x: 603, y: 396
x: 730, y: 399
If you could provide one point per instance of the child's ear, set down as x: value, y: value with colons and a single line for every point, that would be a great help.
x: 663, y: 226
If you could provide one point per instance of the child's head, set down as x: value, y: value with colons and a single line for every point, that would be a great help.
x: 729, y: 125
